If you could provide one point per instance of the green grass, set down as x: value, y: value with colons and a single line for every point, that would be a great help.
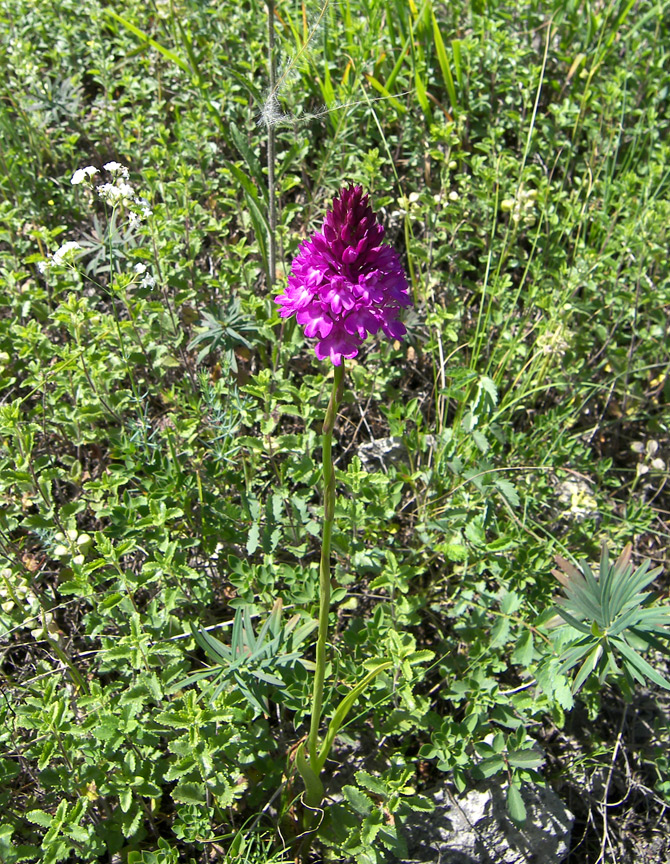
x: 160, y: 427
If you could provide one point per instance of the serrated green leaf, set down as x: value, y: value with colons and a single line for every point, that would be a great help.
x: 371, y: 826
x: 500, y: 632
x: 422, y: 656
x: 189, y: 793
x: 125, y: 799
x: 487, y: 385
x: 418, y: 803
x: 523, y: 651
x: 475, y: 533
x: 508, y: 490
x: 131, y: 821
x: 371, y: 783
x: 39, y: 817
x: 253, y: 538
x: 109, y: 601
x: 481, y: 441
x: 357, y: 799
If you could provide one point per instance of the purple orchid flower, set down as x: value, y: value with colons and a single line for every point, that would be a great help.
x: 345, y: 283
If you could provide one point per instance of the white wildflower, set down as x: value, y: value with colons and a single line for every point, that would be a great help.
x: 43, y: 266
x: 108, y: 192
x: 115, y: 168
x: 125, y: 189
x: 81, y: 174
x: 115, y: 193
x: 145, y: 207
x: 147, y: 280
x: 65, y: 253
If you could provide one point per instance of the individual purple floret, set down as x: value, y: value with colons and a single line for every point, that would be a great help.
x: 345, y: 282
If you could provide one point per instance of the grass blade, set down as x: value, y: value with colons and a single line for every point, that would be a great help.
x: 444, y: 63
x: 169, y: 55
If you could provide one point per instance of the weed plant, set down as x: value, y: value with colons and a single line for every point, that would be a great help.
x: 160, y: 424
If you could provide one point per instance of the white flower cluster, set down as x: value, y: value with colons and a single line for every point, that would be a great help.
x: 147, y: 280
x: 118, y: 192
x: 82, y: 174
x: 143, y: 211
x: 116, y: 168
x: 65, y: 254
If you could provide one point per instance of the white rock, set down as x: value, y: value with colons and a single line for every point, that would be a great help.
x: 476, y: 829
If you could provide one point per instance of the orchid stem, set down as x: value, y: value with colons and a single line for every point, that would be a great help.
x: 324, y: 568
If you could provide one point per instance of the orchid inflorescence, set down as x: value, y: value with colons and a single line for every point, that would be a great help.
x: 345, y: 282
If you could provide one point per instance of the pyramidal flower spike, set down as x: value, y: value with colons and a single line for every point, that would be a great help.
x: 345, y: 282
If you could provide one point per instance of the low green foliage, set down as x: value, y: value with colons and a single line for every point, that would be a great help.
x: 160, y: 424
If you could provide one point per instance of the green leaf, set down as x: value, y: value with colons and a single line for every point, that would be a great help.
x: 399, y: 107
x: 39, y: 817
x: 422, y: 656
x: 189, y: 793
x: 508, y: 491
x: 490, y: 766
x: 588, y: 667
x: 371, y: 826
x: 170, y: 55
x: 500, y: 632
x: 444, y: 63
x: 529, y: 759
x: 125, y: 799
x: 131, y: 821
x: 313, y: 795
x: 357, y: 799
x: 418, y: 803
x: 572, y: 621
x: 515, y: 806
x: 373, y: 784
x: 523, y: 652
x: 640, y: 664
x: 253, y: 538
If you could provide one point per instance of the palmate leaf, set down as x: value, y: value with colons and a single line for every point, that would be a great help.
x: 640, y: 664
x: 252, y: 660
x: 603, y: 611
x: 223, y: 329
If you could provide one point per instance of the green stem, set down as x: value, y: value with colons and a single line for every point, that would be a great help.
x: 272, y: 210
x: 324, y: 569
